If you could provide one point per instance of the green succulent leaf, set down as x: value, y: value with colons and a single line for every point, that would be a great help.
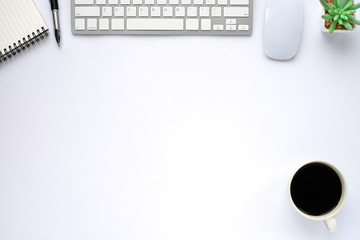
x: 332, y: 27
x: 338, y: 3
x: 332, y: 12
x: 354, y: 21
x: 327, y: 17
x: 342, y: 3
x: 336, y: 18
x: 340, y: 21
x: 355, y: 6
x: 348, y: 12
x: 348, y: 5
x: 345, y: 2
x: 350, y: 16
x: 348, y: 25
x: 325, y: 5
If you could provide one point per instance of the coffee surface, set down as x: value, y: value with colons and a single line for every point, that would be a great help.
x: 316, y: 189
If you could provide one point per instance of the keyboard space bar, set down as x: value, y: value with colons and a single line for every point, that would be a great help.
x: 155, y: 24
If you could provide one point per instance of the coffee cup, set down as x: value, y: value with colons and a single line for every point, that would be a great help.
x: 317, y: 191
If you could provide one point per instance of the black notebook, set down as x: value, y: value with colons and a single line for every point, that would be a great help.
x: 21, y: 25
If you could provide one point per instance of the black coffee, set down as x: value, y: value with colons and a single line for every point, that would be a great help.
x: 316, y: 189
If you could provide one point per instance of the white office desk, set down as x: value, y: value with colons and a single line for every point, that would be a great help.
x: 174, y: 137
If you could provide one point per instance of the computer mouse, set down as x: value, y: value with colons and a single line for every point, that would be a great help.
x: 283, y: 27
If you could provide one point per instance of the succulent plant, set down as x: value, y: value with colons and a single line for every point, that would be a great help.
x: 342, y: 13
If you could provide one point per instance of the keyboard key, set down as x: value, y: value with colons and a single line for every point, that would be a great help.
x: 173, y: 2
x: 149, y: 2
x: 167, y: 11
x: 198, y: 2
x: 192, y: 24
x: 117, y: 24
x: 83, y: 2
x: 230, y: 27
x: 137, y: 2
x: 99, y: 2
x: 231, y: 21
x: 243, y: 27
x: 216, y: 11
x: 87, y: 11
x: 180, y: 11
x: 104, y: 24
x: 155, y: 11
x: 222, y: 2
x: 185, y: 2
x: 236, y: 11
x: 218, y: 27
x: 155, y: 24
x: 143, y: 11
x: 125, y: 2
x: 161, y: 2
x: 131, y: 11
x: 79, y: 24
x: 239, y: 2
x: 92, y: 24
x: 192, y: 11
x: 210, y: 2
x: 113, y: 2
x: 106, y: 11
x: 119, y: 11
x: 204, y: 11
x: 206, y: 24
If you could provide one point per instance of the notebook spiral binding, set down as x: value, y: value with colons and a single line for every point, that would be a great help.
x: 26, y: 42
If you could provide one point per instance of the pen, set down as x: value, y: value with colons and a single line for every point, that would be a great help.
x: 55, y: 12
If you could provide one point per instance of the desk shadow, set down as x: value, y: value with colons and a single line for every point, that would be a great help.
x: 344, y: 43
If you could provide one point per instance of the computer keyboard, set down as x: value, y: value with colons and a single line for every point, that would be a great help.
x: 202, y: 17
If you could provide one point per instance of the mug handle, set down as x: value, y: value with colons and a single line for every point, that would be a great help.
x: 331, y: 224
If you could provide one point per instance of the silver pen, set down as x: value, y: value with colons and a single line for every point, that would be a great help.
x: 55, y: 11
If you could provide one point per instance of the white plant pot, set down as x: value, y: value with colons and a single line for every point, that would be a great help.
x: 336, y: 31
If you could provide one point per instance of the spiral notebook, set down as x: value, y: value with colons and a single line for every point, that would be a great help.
x: 21, y: 26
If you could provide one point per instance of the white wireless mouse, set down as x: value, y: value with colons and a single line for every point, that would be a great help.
x: 283, y: 26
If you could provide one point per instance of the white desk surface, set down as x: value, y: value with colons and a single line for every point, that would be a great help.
x: 174, y: 137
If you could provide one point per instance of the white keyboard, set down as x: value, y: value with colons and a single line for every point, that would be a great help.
x: 208, y: 17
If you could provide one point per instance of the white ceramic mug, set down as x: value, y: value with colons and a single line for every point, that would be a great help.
x: 328, y: 218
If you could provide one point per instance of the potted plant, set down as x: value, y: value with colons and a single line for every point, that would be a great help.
x: 339, y: 15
